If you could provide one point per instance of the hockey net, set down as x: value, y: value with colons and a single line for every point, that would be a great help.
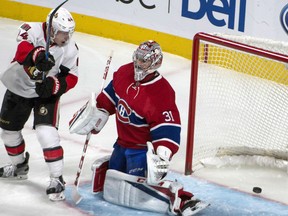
x: 238, y: 111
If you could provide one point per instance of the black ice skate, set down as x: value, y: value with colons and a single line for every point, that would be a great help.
x: 19, y: 171
x: 55, y: 190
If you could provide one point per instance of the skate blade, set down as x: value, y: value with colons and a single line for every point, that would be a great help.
x: 22, y: 177
x: 56, y: 196
x: 197, y: 208
x: 18, y: 177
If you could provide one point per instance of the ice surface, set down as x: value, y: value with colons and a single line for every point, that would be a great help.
x: 27, y: 197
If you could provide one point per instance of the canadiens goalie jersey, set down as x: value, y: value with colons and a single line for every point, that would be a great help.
x: 145, y: 111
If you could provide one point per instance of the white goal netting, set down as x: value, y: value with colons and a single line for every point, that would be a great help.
x: 241, y: 105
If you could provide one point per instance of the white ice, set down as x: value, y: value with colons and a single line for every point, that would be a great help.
x: 28, y: 197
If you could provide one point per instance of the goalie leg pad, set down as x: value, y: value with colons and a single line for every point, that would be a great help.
x: 133, y: 192
x: 99, y: 168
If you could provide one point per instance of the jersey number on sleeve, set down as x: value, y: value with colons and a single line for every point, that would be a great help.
x: 168, y: 116
x: 24, y: 35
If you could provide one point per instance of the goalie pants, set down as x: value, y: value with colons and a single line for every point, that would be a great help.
x: 130, y: 161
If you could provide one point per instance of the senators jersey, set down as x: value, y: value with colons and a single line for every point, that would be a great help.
x: 16, y: 77
x: 144, y: 111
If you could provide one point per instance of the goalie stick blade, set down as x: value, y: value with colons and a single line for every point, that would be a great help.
x: 76, y: 197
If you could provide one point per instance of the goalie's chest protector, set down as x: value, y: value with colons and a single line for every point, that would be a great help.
x: 138, y: 107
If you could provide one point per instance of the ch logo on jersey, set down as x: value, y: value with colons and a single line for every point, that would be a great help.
x: 123, y: 111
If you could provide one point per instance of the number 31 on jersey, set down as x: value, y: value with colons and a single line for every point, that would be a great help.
x: 168, y: 116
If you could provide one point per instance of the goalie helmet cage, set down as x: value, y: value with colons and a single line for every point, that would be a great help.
x: 241, y: 106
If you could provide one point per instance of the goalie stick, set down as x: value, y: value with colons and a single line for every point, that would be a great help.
x: 49, y: 33
x: 76, y: 196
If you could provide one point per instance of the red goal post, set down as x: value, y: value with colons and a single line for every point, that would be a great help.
x: 238, y: 94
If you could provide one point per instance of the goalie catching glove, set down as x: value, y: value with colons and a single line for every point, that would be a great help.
x: 157, y: 164
x: 88, y: 119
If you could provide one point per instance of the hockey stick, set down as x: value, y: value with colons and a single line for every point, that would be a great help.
x: 49, y: 33
x: 76, y: 196
x: 75, y: 193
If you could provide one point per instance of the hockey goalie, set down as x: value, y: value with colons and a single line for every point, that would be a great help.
x: 148, y: 127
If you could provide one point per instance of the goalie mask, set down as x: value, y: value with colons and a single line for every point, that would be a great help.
x: 147, y: 58
x: 62, y: 27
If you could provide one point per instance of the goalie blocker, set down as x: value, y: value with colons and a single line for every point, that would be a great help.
x: 134, y: 191
x: 88, y: 118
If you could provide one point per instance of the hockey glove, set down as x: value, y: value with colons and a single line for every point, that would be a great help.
x: 157, y: 163
x: 40, y: 61
x: 88, y: 118
x: 48, y: 87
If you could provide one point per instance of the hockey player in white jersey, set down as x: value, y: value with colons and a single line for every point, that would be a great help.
x: 35, y: 80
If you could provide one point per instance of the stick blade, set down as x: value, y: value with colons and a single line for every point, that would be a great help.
x: 76, y: 197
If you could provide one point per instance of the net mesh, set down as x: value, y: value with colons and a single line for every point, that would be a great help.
x: 242, y: 103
